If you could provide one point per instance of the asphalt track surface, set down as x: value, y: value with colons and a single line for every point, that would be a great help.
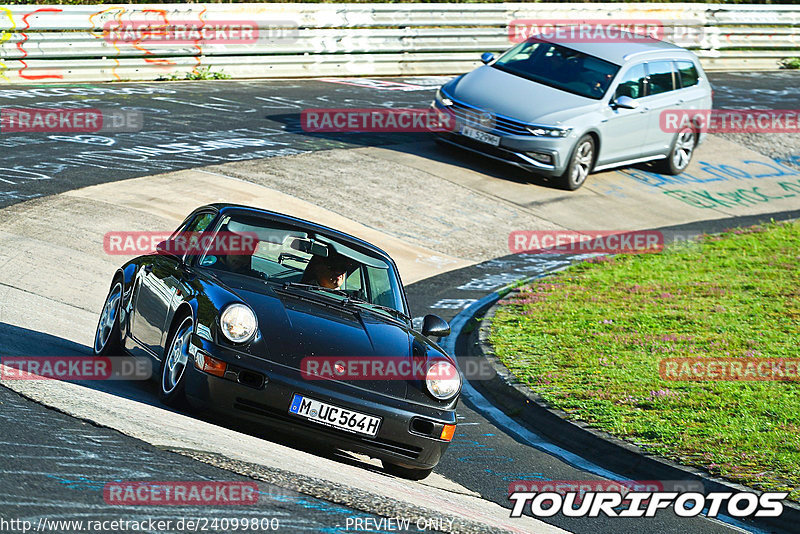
x: 186, y: 124
x: 55, y: 464
x: 56, y: 467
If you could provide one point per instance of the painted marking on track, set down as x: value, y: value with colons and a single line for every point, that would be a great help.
x: 384, y: 85
x: 452, y: 304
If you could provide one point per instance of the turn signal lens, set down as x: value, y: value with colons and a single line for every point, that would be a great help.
x: 447, y: 432
x: 210, y: 365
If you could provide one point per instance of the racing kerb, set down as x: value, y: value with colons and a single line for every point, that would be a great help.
x: 63, y: 43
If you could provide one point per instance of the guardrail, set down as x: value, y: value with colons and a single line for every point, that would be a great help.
x: 57, y: 43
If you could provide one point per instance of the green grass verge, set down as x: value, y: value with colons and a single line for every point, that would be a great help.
x: 590, y: 340
x: 200, y: 73
x: 790, y: 63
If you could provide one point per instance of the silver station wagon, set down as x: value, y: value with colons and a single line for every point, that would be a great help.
x: 566, y: 110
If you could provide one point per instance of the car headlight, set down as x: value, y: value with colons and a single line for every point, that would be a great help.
x: 443, y: 380
x: 442, y: 99
x: 545, y: 131
x: 238, y: 323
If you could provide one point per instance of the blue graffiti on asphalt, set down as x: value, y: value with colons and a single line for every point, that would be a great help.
x: 310, y: 503
x: 80, y: 483
x: 743, y: 196
x: 710, y: 172
x: 791, y: 160
x: 470, y: 445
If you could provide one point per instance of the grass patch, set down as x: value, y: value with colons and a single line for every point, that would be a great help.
x: 200, y: 73
x: 790, y: 63
x: 590, y: 340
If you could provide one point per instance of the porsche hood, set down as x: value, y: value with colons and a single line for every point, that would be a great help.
x: 297, y: 328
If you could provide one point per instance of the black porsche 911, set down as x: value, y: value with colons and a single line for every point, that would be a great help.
x: 235, y: 329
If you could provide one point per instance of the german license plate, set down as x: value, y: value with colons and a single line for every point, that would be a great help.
x: 334, y: 416
x: 478, y: 135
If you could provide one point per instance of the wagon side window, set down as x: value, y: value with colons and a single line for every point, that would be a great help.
x: 633, y: 83
x: 661, y: 77
x: 687, y: 73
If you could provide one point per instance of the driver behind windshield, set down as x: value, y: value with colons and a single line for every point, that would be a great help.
x: 554, y: 66
x: 329, y: 272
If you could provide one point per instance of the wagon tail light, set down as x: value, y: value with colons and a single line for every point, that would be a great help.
x: 210, y: 365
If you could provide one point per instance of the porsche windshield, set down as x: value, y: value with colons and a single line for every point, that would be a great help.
x: 287, y: 255
x: 559, y: 67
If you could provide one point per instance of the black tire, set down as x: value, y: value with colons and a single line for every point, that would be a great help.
x: 680, y: 153
x: 174, y: 364
x: 107, y: 339
x: 405, y: 472
x: 580, y: 164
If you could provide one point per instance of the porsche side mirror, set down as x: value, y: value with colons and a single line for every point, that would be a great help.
x: 433, y: 325
x: 487, y: 57
x: 624, y: 102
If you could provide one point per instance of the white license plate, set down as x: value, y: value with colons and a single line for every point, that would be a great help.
x: 334, y: 416
x: 480, y: 136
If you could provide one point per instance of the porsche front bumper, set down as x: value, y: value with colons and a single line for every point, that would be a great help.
x: 261, y: 391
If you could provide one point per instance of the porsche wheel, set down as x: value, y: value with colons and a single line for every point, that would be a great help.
x: 173, y: 365
x: 107, y: 340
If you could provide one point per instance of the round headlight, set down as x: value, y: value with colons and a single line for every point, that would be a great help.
x: 443, y: 380
x: 238, y: 323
